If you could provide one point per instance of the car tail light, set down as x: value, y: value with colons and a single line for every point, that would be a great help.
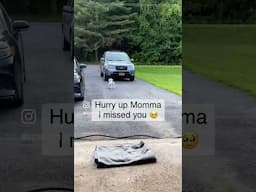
x: 77, y: 78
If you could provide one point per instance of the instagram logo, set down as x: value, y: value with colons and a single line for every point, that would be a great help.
x: 86, y: 105
x: 28, y: 116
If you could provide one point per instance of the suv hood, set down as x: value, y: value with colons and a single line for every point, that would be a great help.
x: 118, y: 62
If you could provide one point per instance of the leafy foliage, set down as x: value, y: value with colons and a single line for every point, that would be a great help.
x: 149, y: 30
x: 159, y: 32
x: 101, y: 24
x: 219, y: 11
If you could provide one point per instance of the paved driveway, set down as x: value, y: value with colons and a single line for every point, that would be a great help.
x: 96, y: 88
x: 232, y: 167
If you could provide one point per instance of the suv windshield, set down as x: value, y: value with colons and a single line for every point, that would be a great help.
x: 117, y: 57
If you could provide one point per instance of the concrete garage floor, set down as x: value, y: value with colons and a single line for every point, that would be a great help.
x: 163, y: 176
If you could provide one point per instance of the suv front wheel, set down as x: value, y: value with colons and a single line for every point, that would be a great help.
x: 106, y: 77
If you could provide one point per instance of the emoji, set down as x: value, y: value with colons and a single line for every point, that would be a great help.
x: 153, y: 114
x: 190, y: 140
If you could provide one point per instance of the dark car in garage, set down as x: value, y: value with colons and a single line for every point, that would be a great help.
x: 12, y: 63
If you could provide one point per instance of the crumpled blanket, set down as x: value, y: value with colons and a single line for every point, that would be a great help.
x: 123, y: 155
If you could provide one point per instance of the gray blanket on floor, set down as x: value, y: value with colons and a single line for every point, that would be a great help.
x: 123, y: 155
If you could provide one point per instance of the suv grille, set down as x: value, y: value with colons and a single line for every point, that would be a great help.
x: 121, y: 67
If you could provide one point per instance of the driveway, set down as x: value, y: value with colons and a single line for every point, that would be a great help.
x: 96, y: 88
x: 232, y: 167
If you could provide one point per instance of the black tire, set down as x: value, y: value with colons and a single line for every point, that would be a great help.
x: 81, y: 98
x: 18, y: 97
x: 101, y: 74
x: 106, y: 77
x: 132, y: 78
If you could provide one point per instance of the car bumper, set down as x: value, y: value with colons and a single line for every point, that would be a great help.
x: 7, y: 77
x: 121, y: 74
x: 77, y: 90
x: 7, y: 86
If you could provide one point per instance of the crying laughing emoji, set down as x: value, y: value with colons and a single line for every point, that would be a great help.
x: 190, y: 140
x: 153, y: 114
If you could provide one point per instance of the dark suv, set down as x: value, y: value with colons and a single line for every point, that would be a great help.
x: 12, y: 66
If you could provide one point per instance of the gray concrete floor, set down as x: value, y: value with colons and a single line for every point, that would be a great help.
x: 163, y: 176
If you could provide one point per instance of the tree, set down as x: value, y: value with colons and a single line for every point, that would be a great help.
x: 150, y: 30
x: 219, y: 11
x: 159, y: 31
x: 100, y: 23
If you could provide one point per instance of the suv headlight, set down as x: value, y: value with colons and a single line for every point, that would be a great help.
x: 131, y: 67
x: 110, y: 67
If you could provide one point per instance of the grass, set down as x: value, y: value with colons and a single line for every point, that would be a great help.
x: 162, y: 76
x: 225, y: 53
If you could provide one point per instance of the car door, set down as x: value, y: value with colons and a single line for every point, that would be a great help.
x: 18, y: 41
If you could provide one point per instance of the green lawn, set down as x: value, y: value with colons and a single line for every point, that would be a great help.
x: 225, y: 53
x: 165, y: 77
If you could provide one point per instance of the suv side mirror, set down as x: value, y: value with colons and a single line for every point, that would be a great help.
x: 102, y: 59
x: 132, y: 60
x: 20, y: 25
